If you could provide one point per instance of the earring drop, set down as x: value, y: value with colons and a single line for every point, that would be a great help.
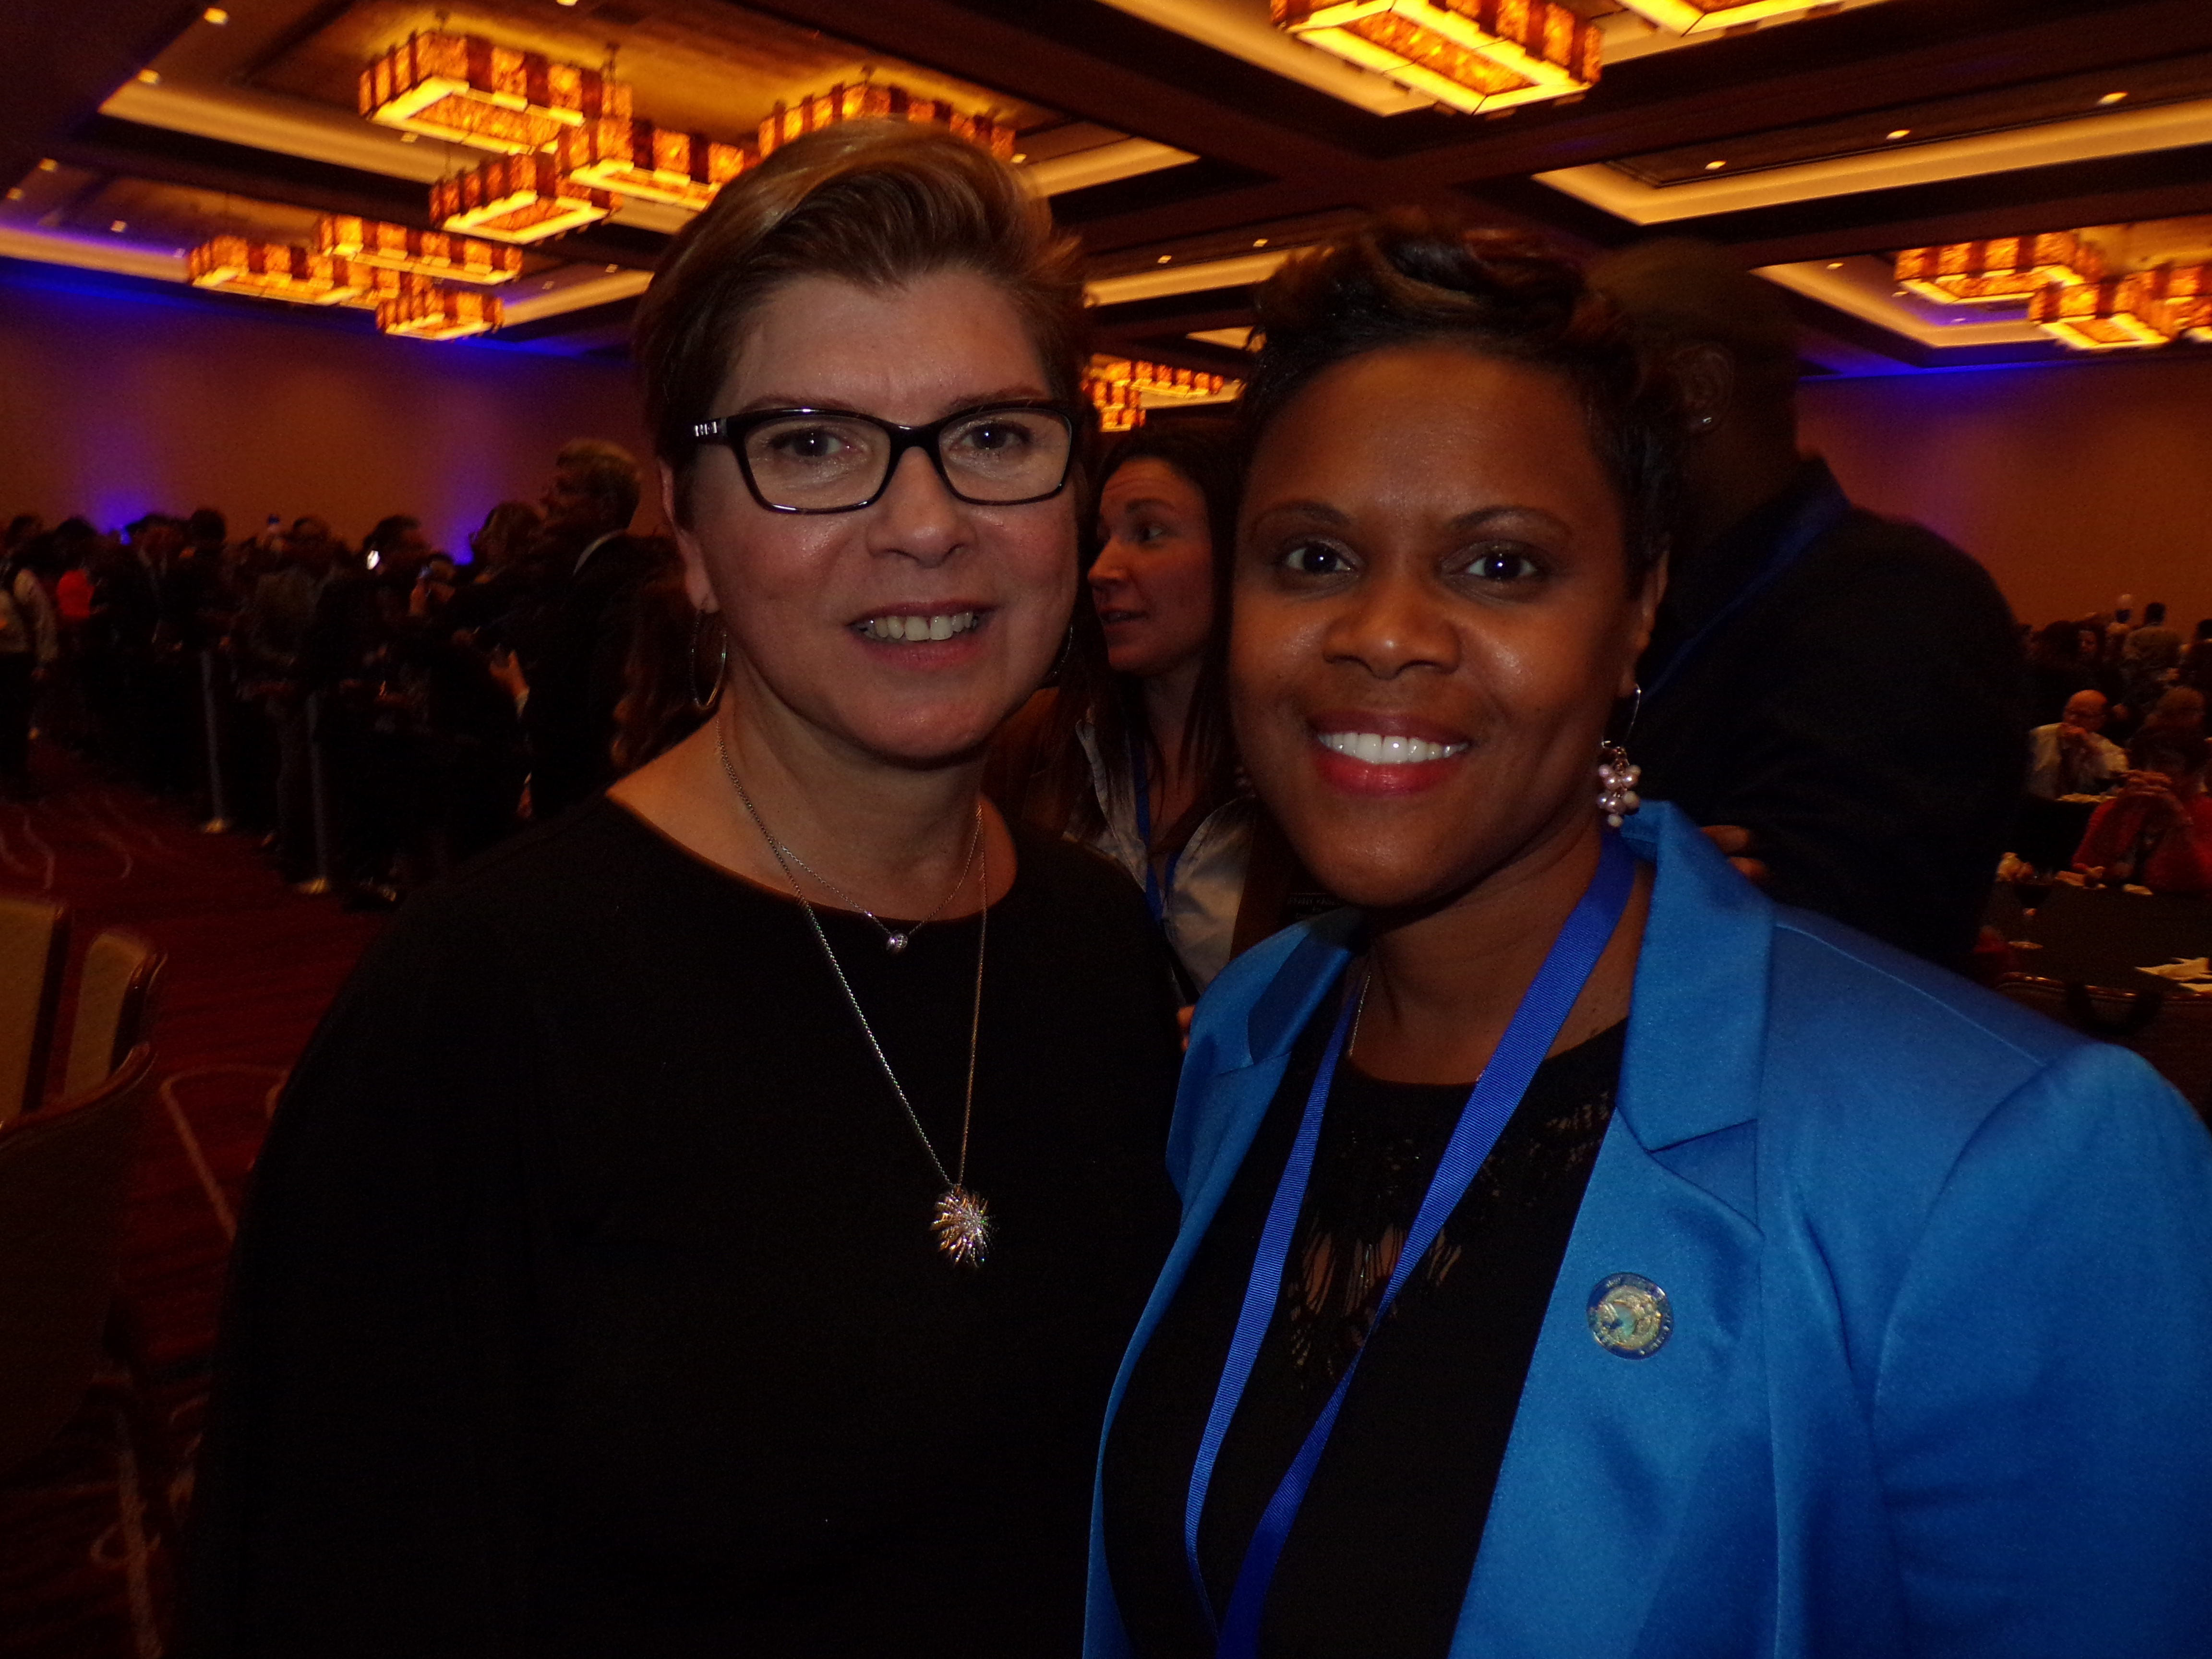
x: 1617, y: 776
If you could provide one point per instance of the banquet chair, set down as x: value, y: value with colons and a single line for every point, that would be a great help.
x: 64, y: 1173
x: 116, y: 990
x: 2172, y: 1031
x: 34, y: 946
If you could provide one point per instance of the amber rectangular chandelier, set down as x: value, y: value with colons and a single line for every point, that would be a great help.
x: 843, y: 103
x: 1703, y: 16
x: 274, y: 271
x: 517, y: 198
x: 2001, y: 271
x: 472, y: 91
x: 1471, y: 54
x: 417, y: 252
x: 637, y: 158
x: 422, y: 310
x: 2126, y: 313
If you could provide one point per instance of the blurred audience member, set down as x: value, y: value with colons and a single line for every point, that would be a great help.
x: 2179, y: 712
x: 279, y: 619
x: 29, y: 643
x: 2149, y: 656
x: 1844, y: 689
x: 1131, y: 753
x: 575, y: 665
x: 2056, y: 669
x: 2157, y: 831
x: 2196, y: 669
x: 2070, y: 756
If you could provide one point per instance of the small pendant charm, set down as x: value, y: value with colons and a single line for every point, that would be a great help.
x: 895, y: 943
x: 962, y: 1226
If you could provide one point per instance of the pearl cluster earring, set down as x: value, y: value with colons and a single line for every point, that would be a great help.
x: 1617, y: 776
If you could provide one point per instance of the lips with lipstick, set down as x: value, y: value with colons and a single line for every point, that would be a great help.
x: 919, y: 629
x: 1388, y: 755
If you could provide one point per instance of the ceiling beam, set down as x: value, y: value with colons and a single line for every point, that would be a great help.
x: 63, y: 57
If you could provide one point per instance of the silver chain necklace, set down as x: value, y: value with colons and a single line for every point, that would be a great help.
x: 895, y: 939
x: 962, y: 1222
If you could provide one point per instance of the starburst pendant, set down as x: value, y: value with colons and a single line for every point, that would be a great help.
x: 962, y: 1227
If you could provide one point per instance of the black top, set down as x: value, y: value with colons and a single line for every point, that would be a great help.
x: 586, y: 1301
x: 1862, y: 716
x: 1378, y: 1560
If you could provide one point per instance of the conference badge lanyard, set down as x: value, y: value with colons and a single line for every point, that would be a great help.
x: 1497, y: 1094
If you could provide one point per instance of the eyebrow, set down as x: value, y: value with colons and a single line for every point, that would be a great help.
x: 1477, y: 519
x: 1016, y: 394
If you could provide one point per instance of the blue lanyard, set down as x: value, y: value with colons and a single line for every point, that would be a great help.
x: 1156, y: 892
x: 1497, y: 1094
x: 1821, y: 511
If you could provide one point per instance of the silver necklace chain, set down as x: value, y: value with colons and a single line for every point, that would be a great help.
x: 962, y: 1224
x: 895, y: 939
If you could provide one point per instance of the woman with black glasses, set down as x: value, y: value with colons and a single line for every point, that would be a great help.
x: 710, y: 1225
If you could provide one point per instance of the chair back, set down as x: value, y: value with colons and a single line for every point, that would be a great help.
x: 115, y: 993
x: 2172, y: 1031
x: 64, y: 1174
x: 34, y: 946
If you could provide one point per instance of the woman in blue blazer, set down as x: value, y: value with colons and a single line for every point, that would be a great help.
x: 1581, y: 1255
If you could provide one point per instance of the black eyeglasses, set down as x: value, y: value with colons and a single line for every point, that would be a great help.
x: 833, y: 460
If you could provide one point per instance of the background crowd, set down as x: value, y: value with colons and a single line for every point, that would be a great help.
x: 375, y: 712
x: 1838, y: 697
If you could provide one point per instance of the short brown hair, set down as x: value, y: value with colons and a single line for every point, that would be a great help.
x: 877, y: 202
x: 1410, y: 276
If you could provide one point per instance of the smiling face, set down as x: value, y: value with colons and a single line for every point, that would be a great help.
x: 1153, y: 582
x: 907, y: 630
x: 1432, y: 621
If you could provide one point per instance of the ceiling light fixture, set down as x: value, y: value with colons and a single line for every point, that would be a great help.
x: 424, y: 311
x: 2124, y: 314
x: 2001, y: 271
x: 843, y: 103
x: 1474, y: 55
x: 466, y: 89
x: 1704, y: 16
x: 419, y: 252
x: 2112, y: 98
x: 517, y: 198
x: 1900, y: 133
x: 637, y: 158
x: 274, y: 271
x: 215, y: 14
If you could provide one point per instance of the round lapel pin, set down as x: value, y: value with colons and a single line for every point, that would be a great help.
x: 1629, y: 1315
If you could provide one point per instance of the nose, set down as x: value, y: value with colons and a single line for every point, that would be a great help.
x: 1389, y: 624
x: 917, y: 516
x: 1110, y: 570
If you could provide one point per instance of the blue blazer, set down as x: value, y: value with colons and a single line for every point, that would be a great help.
x: 1939, y: 1381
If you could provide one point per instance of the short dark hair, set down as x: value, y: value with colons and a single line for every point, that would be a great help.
x: 872, y: 202
x: 2154, y: 613
x: 2177, y: 754
x: 1411, y: 276
x: 206, y: 525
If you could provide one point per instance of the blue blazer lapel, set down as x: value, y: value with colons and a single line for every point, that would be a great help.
x: 1606, y: 1450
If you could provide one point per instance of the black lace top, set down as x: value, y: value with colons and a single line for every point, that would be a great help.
x: 1378, y: 1561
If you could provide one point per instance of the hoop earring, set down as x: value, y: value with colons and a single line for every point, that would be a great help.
x: 705, y: 705
x: 1617, y: 774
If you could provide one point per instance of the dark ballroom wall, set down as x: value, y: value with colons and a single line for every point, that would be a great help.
x: 115, y: 401
x: 2073, y: 483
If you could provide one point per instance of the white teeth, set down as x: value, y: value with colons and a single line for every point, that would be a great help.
x: 1377, y: 750
x: 940, y: 627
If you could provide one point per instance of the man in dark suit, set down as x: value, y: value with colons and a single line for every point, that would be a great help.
x: 1837, y: 696
x: 577, y: 661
